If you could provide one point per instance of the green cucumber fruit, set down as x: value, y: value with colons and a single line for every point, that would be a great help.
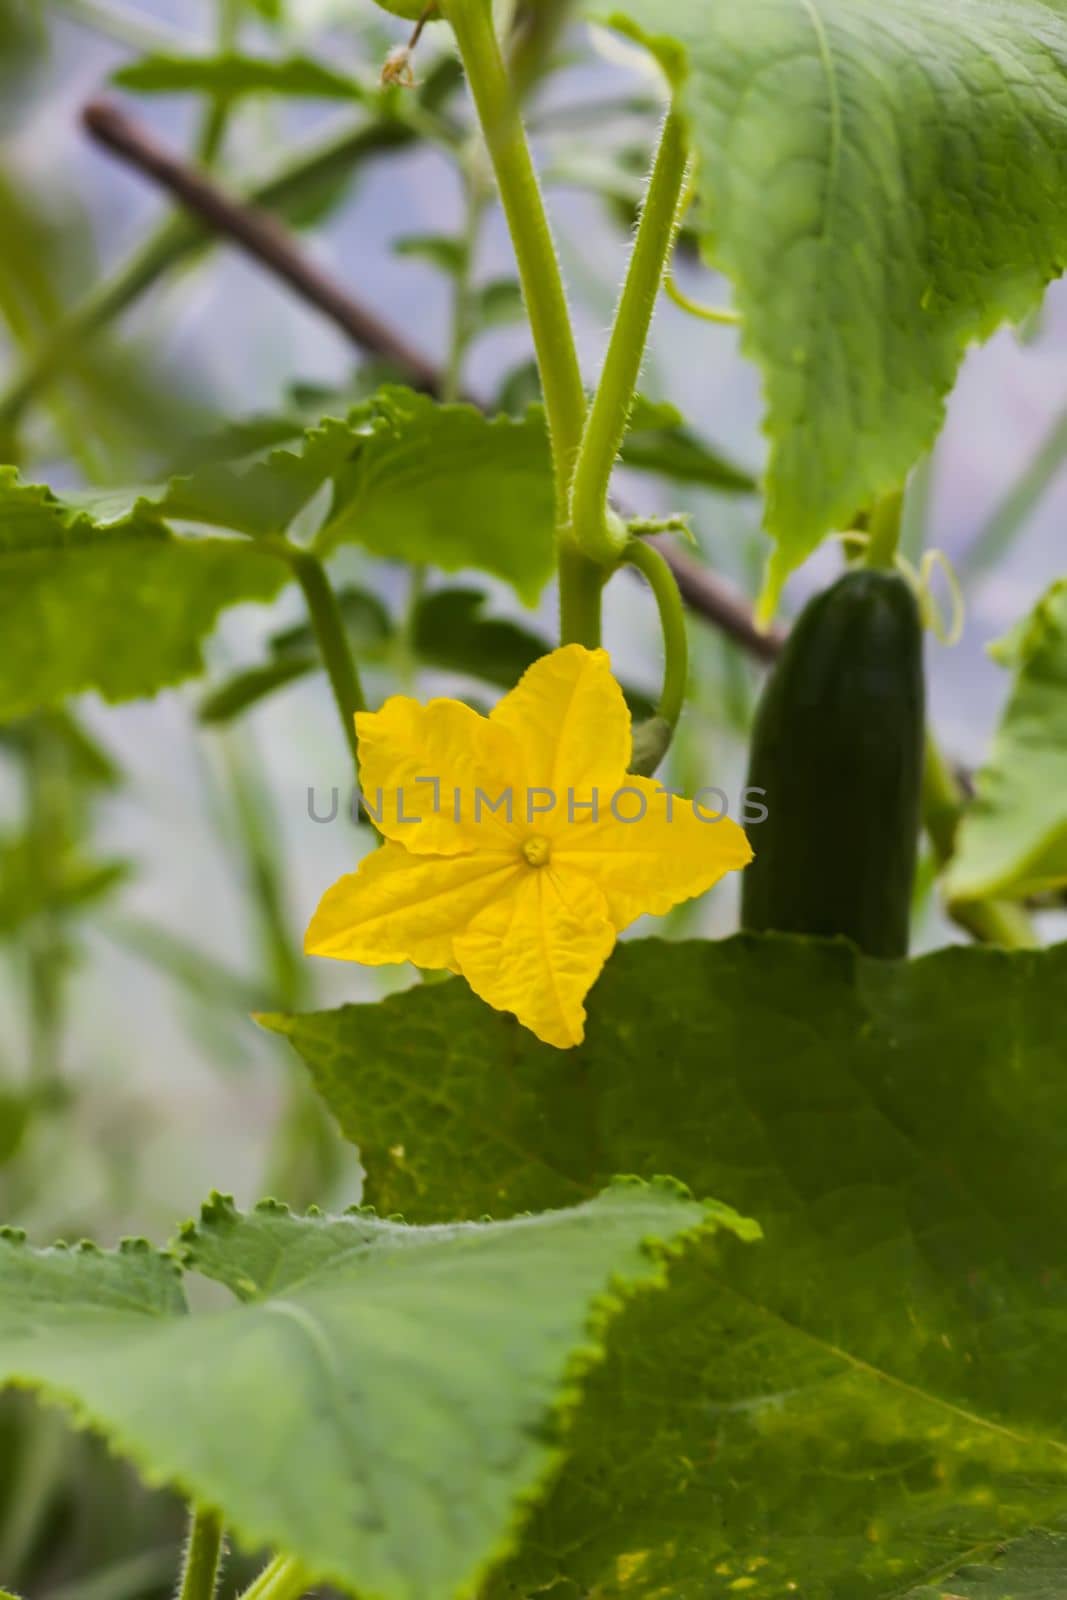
x: 837, y: 748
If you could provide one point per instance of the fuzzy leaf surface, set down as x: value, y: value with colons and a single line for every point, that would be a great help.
x: 883, y: 182
x: 231, y: 76
x: 1031, y: 1568
x: 371, y: 1378
x: 120, y: 605
x: 874, y: 1393
x: 451, y: 487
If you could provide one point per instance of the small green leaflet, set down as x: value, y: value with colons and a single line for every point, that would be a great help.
x: 70, y: 882
x: 1013, y: 838
x: 86, y: 764
x: 98, y: 592
x: 391, y: 1378
x: 410, y: 9
x: 659, y: 440
x: 498, y: 303
x: 412, y: 480
x: 256, y: 493
x: 441, y: 250
x: 1033, y: 1568
x: 231, y: 76
x: 250, y: 687
x: 295, y: 655
x: 448, y: 486
x: 495, y: 304
x: 118, y: 606
x: 449, y: 632
x: 874, y: 1393
x: 882, y: 181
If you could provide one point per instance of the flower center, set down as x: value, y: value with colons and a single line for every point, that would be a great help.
x: 536, y: 849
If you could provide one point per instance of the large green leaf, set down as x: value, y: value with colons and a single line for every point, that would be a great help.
x: 374, y: 1379
x: 1013, y: 838
x: 231, y: 76
x: 1034, y: 1568
x: 448, y: 486
x: 883, y: 182
x: 99, y: 1296
x: 878, y: 1389
x: 257, y: 491
x: 120, y: 606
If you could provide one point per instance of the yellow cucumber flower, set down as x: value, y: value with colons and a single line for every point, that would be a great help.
x: 517, y: 846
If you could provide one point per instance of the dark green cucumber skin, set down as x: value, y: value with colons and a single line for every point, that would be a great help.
x: 838, y: 748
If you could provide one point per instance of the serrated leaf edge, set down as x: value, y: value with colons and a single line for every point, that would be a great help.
x: 588, y: 1353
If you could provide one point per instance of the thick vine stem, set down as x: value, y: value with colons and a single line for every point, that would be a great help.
x: 884, y: 530
x: 535, y: 252
x: 328, y: 624
x: 581, y: 584
x: 590, y: 527
x: 203, y: 1554
x: 650, y: 563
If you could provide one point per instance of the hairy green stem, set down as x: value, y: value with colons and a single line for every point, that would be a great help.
x: 203, y: 1555
x: 581, y: 584
x: 175, y: 240
x: 661, y: 581
x: 990, y: 921
x: 282, y: 1580
x: 884, y: 530
x: 329, y: 627
x: 535, y: 251
x: 605, y: 425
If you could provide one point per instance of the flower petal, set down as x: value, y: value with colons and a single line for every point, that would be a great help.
x: 667, y: 855
x: 538, y: 950
x: 403, y: 907
x: 570, y: 723
x: 421, y: 767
